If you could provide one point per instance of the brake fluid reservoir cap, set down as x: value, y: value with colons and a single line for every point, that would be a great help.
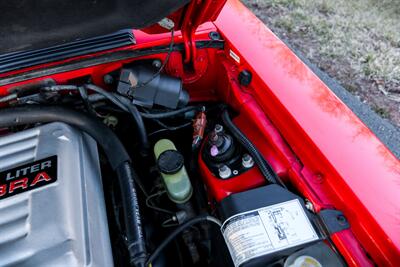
x: 170, y: 161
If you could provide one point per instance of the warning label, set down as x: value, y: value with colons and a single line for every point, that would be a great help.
x: 267, y: 230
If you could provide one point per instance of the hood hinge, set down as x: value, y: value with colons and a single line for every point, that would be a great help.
x: 196, y: 13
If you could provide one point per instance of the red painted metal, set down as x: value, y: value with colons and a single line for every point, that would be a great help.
x: 143, y: 40
x: 187, y: 31
x: 219, y: 189
x: 197, y: 12
x: 344, y: 163
x: 258, y: 128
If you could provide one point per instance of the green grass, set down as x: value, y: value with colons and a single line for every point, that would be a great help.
x: 366, y: 31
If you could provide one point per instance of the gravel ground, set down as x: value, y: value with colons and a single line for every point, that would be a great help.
x: 357, y: 42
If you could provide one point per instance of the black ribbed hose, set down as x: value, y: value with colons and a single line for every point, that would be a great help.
x: 262, y: 164
x: 137, y: 248
x: 115, y: 152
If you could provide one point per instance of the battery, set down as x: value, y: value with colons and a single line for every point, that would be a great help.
x: 265, y: 224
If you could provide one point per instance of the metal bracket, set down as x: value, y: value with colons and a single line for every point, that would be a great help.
x: 197, y: 12
x: 333, y: 220
x: 188, y: 29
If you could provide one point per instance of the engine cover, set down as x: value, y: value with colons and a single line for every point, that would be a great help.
x: 52, y: 210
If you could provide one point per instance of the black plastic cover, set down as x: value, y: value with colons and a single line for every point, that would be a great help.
x: 34, y: 24
x: 149, y: 88
x: 259, y: 198
x: 255, y: 199
x: 19, y: 60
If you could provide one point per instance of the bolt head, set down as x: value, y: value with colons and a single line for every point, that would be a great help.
x: 247, y: 161
x: 224, y: 172
x: 157, y: 63
x: 309, y: 206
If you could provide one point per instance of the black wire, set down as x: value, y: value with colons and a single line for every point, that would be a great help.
x: 168, y: 114
x: 171, y: 46
x: 147, y: 114
x: 153, y: 116
x: 141, y: 130
x: 85, y: 98
x: 167, y: 223
x: 174, y: 128
x: 141, y: 186
x: 267, y: 171
x: 106, y: 94
x: 150, y: 197
x: 178, y: 230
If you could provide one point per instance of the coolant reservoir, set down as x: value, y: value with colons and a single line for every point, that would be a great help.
x: 170, y: 162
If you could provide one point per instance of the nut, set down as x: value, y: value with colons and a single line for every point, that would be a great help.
x: 247, y: 161
x: 224, y: 172
x: 218, y: 128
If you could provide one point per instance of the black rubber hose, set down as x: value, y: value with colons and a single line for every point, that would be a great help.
x: 169, y: 114
x: 159, y: 115
x: 140, y: 128
x: 114, y: 150
x: 134, y: 232
x: 178, y: 230
x: 262, y: 164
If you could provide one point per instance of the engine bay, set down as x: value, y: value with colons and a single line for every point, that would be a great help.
x: 189, y: 172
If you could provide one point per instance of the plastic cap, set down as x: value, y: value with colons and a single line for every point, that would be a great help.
x: 170, y: 161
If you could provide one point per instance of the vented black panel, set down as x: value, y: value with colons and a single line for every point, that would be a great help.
x: 36, y: 24
x: 19, y: 60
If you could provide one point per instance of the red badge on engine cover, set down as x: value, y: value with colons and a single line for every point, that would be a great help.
x: 27, y: 177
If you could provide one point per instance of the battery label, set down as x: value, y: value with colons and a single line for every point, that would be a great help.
x: 266, y: 230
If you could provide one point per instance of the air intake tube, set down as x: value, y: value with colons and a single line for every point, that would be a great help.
x: 116, y: 154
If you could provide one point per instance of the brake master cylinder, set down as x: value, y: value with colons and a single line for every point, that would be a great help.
x: 170, y: 163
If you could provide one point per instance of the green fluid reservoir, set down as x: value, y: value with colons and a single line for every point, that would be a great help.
x: 170, y: 162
